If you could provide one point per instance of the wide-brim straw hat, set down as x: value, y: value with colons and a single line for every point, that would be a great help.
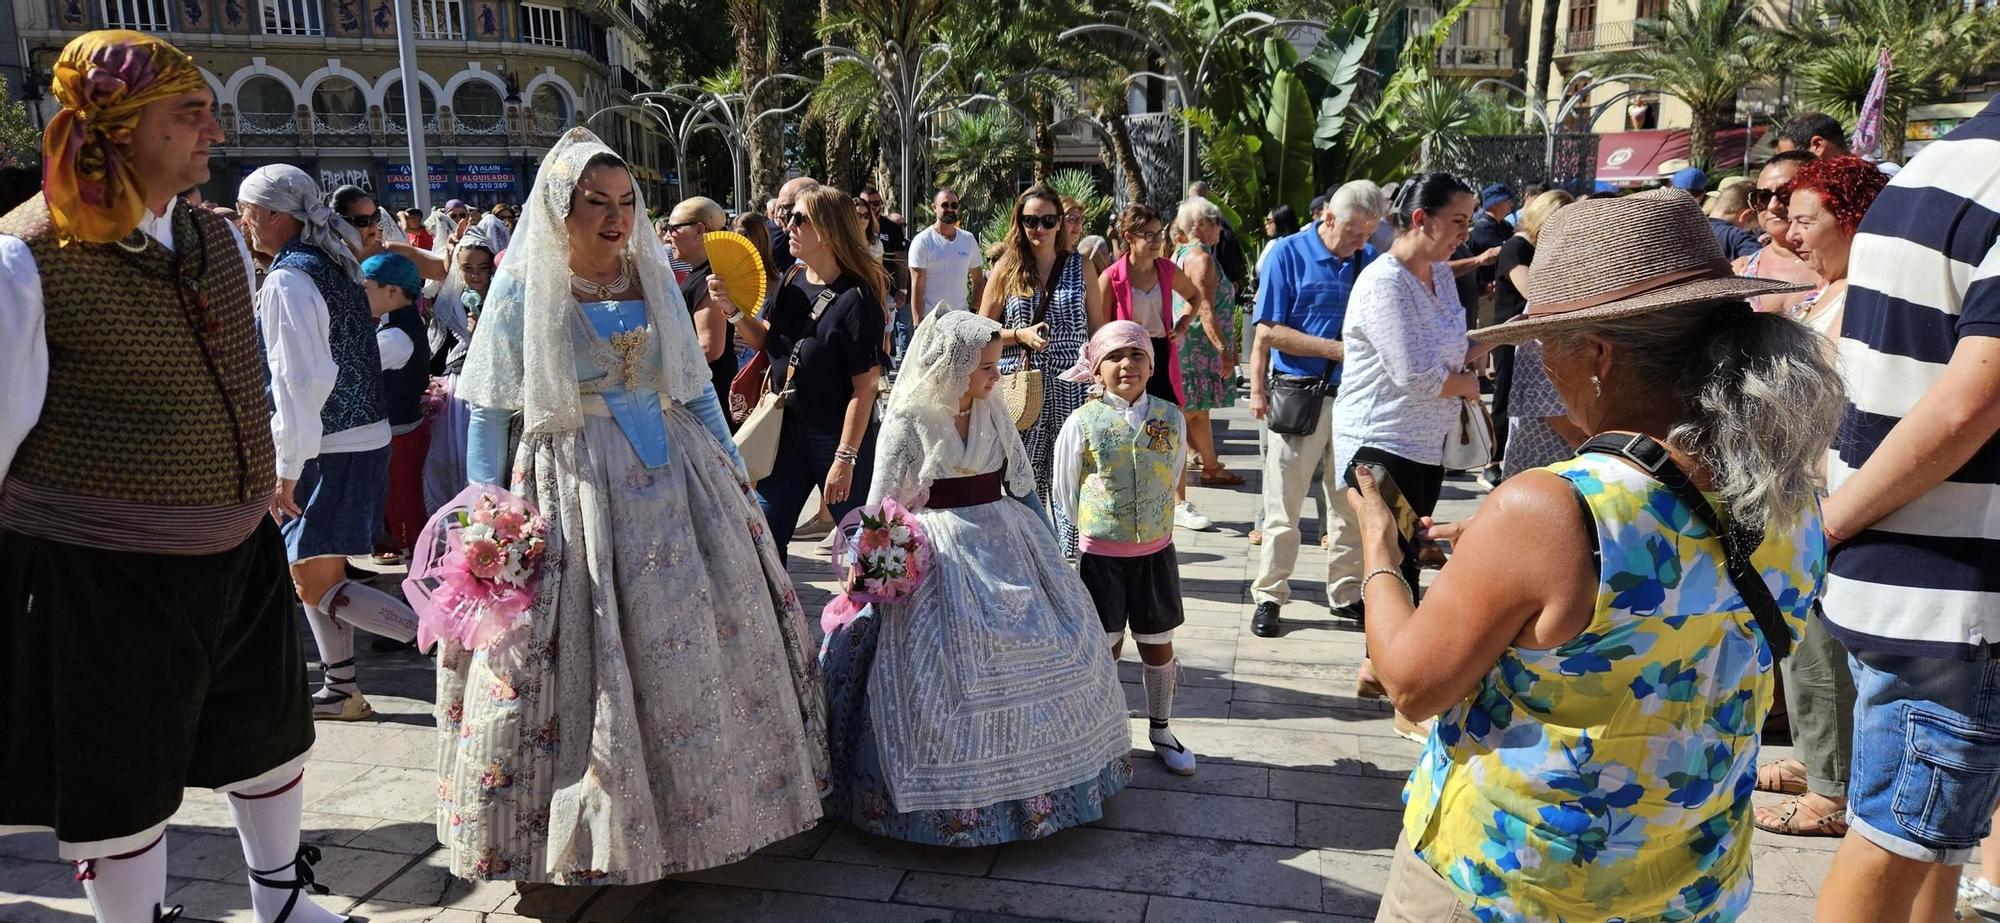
x: 1601, y: 260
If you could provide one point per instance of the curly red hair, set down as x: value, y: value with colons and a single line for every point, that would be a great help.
x: 1846, y: 185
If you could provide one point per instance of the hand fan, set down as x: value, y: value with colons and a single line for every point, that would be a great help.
x: 736, y: 260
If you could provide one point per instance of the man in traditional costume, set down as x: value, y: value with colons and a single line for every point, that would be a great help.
x: 146, y: 632
x: 328, y: 421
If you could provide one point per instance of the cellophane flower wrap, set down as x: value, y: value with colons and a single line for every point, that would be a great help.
x: 880, y: 554
x: 476, y: 568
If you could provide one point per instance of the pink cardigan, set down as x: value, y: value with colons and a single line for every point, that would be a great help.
x: 1119, y: 276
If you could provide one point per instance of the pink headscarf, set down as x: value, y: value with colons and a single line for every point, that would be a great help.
x: 1108, y: 339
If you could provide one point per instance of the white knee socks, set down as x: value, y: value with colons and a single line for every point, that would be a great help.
x: 335, y: 641
x: 1161, y: 681
x: 370, y: 609
x: 127, y: 889
x: 268, y: 825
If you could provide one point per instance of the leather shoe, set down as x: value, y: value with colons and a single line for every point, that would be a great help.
x: 1355, y: 612
x: 1264, y: 624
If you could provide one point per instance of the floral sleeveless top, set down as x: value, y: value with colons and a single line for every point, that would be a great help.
x: 1609, y: 778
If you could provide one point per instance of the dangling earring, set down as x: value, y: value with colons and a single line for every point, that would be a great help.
x: 1596, y: 387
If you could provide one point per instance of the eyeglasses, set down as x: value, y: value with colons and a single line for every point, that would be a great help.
x: 685, y: 224
x: 871, y: 204
x: 794, y: 219
x: 1045, y: 222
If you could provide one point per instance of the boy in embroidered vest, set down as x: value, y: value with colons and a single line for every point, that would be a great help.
x: 331, y: 430
x: 1117, y: 462
x: 146, y: 634
x: 394, y: 285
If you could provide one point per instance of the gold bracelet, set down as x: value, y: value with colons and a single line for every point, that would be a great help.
x: 1394, y: 572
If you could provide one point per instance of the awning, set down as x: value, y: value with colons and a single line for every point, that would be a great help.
x: 1635, y: 156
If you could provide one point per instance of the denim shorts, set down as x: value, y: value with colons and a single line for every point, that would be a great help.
x: 342, y: 496
x: 1926, y: 766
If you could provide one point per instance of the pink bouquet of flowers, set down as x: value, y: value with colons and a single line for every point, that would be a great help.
x: 476, y: 567
x: 881, y: 555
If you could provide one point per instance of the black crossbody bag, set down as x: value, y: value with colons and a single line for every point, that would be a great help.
x: 1739, y: 540
x: 1297, y: 401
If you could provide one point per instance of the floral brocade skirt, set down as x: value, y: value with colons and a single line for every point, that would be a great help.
x: 663, y: 711
x: 860, y: 791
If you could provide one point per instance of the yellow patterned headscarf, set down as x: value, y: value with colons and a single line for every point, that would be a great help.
x: 102, y: 81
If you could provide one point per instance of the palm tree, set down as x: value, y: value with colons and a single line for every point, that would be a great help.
x: 1104, y: 98
x: 892, y: 34
x: 749, y: 22
x: 1545, y: 53
x: 1933, y: 44
x: 1703, y: 53
x: 980, y: 153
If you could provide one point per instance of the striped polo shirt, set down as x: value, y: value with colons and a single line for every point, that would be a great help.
x: 1924, y: 273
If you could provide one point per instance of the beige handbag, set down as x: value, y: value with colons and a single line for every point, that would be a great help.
x: 1021, y: 390
x: 757, y: 438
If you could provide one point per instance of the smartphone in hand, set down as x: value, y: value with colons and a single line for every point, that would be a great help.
x: 1409, y: 530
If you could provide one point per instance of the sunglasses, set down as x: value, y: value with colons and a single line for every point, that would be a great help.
x: 1765, y: 199
x: 685, y: 224
x: 1045, y: 222
x: 871, y: 204
x: 372, y: 219
x: 1073, y: 219
x: 794, y: 219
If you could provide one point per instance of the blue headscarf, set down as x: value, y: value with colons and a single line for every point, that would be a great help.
x: 394, y: 269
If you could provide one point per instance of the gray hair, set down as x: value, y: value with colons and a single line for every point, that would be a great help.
x: 1193, y: 211
x: 1358, y: 198
x: 1760, y: 399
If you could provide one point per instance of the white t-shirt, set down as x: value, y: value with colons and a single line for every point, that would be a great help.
x: 947, y: 266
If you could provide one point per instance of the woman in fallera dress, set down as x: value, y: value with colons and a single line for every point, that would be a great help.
x: 661, y: 712
x: 981, y: 708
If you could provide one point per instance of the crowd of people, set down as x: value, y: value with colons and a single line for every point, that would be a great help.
x: 1742, y: 434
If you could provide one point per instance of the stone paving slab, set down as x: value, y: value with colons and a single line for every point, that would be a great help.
x: 1291, y: 818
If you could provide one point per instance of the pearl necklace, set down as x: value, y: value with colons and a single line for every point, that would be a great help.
x: 602, y: 291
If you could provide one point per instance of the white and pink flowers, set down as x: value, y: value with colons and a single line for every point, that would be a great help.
x: 881, y: 554
x: 476, y: 569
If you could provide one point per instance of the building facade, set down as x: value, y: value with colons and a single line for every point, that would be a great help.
x: 316, y: 83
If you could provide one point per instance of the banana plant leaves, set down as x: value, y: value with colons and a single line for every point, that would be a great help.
x: 1288, y: 150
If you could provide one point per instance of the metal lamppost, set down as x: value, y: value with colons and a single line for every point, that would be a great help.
x: 413, y: 112
x: 1566, y: 105
x: 906, y: 80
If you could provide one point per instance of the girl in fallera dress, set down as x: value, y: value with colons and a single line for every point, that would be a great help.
x: 923, y: 748
x: 661, y: 712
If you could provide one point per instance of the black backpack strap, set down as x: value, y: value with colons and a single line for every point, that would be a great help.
x: 1739, y: 540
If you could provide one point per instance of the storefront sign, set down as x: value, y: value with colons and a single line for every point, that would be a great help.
x: 486, y: 177
x: 397, y: 177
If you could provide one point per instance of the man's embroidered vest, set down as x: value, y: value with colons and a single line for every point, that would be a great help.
x: 357, y: 387
x: 1128, y: 478
x: 156, y: 388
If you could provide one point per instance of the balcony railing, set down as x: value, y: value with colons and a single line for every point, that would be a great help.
x: 549, y: 126
x: 1605, y: 36
x: 340, y: 128
x: 267, y: 124
x: 1467, y: 57
x: 482, y: 126
x: 395, y: 125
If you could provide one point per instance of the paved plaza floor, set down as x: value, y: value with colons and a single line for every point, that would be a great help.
x: 1292, y: 816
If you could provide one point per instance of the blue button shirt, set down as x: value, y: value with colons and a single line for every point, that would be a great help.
x: 1305, y: 287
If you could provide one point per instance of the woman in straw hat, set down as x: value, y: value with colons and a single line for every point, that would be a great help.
x: 1599, y: 702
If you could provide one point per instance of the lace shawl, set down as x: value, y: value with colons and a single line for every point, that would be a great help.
x: 919, y: 442
x: 536, y: 374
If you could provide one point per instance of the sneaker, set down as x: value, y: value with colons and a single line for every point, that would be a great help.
x: 1187, y: 517
x: 1977, y: 900
x: 1490, y: 478
x: 1168, y: 748
x: 1256, y: 536
x: 1264, y: 624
